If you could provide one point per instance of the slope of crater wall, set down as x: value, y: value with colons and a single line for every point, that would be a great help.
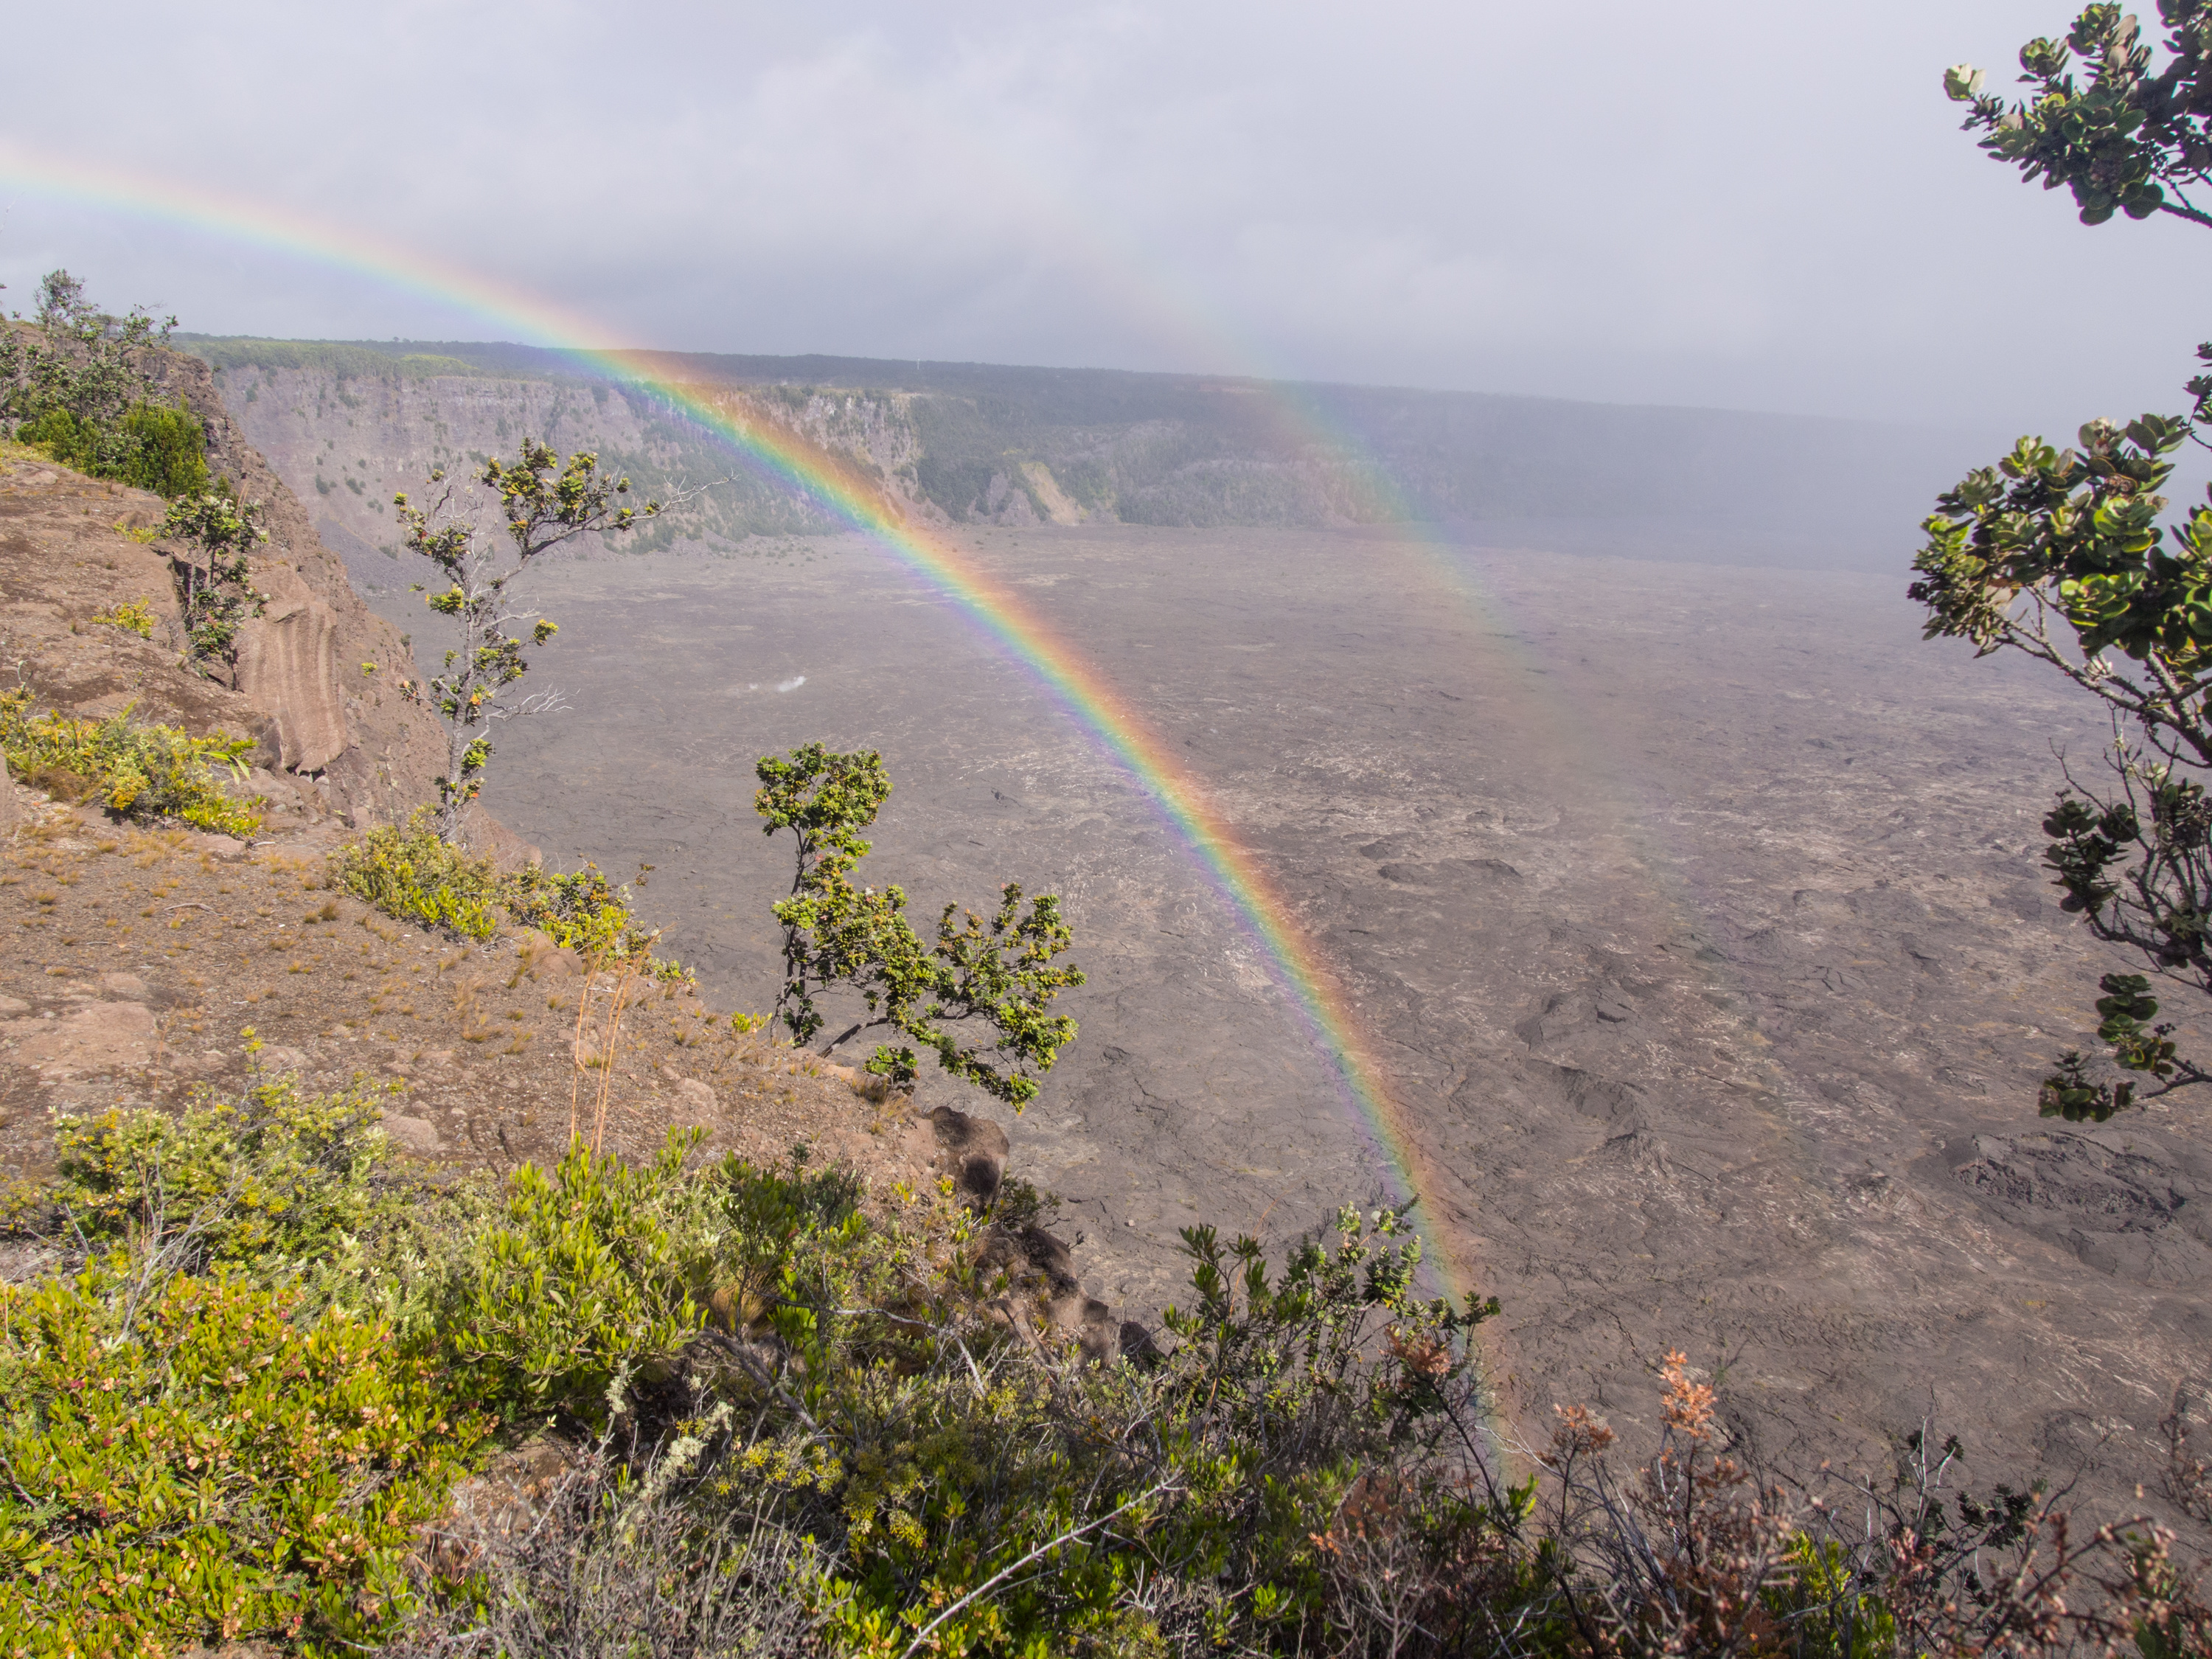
x: 977, y: 443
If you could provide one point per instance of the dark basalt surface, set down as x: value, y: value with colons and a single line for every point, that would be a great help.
x: 1695, y: 913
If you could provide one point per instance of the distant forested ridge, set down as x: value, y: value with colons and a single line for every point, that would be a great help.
x: 978, y: 442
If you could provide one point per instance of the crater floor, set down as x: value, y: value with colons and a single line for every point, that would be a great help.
x: 1694, y: 911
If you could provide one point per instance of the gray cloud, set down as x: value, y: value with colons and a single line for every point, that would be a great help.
x: 1728, y: 203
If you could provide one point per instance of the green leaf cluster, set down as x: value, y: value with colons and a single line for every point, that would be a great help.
x: 213, y: 1427
x: 205, y: 1465
x: 75, y: 385
x: 140, y: 772
x: 998, y: 977
x: 2063, y: 554
x: 580, y: 910
x: 853, y: 1420
x: 150, y: 447
x: 131, y: 616
x: 411, y: 873
x: 275, y: 1179
x: 2124, y: 136
x: 214, y: 571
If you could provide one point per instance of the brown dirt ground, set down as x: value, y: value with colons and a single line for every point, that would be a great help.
x: 133, y: 963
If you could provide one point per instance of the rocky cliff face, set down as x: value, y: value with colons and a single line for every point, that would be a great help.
x: 348, y: 444
x: 316, y: 671
x: 347, y: 438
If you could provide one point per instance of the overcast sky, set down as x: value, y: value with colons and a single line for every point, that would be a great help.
x: 1720, y: 203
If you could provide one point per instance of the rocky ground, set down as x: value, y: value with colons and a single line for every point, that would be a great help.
x: 143, y: 966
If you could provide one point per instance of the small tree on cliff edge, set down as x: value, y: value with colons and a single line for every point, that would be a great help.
x: 546, y: 503
x: 213, y: 573
x: 2059, y: 554
x: 997, y: 977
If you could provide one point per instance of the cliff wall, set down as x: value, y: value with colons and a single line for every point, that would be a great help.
x: 982, y: 443
x: 317, y: 671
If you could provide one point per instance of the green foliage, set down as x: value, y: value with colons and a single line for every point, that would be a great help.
x: 143, y: 772
x: 859, y: 1428
x: 211, y: 1430
x: 2062, y: 553
x: 171, y: 450
x: 1002, y: 974
x: 75, y: 385
x: 132, y: 616
x: 75, y: 358
x: 281, y: 1181
x: 581, y: 1281
x: 1823, y: 1601
x: 414, y: 874
x: 582, y: 911
x: 200, y: 1466
x: 213, y: 573
x: 546, y: 503
x: 151, y: 446
x: 2132, y: 140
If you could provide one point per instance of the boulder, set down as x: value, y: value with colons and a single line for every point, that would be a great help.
x: 416, y: 1134
x: 107, y: 1036
x: 975, y: 1150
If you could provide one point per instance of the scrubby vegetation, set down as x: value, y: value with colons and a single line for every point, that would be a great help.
x: 149, y: 446
x: 211, y: 1426
x: 277, y: 1386
x: 216, y: 535
x: 414, y: 874
x: 131, y: 616
x: 74, y: 384
x: 140, y: 772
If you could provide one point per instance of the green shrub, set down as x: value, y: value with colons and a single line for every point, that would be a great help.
x: 413, y: 875
x: 794, y: 1425
x: 143, y: 772
x: 199, y: 1467
x: 580, y: 1283
x: 599, y: 1272
x: 132, y: 616
x: 278, y: 1180
x: 583, y: 912
x: 170, y: 452
x: 152, y: 446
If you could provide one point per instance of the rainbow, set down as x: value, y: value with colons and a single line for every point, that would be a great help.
x: 1325, y: 1004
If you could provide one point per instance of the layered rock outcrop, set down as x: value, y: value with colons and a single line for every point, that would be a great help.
x: 318, y: 666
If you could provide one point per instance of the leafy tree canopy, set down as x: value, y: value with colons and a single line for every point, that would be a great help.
x: 2063, y: 555
x: 997, y: 978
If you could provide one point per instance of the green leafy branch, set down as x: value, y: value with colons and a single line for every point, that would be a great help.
x: 546, y: 503
x: 2062, y: 553
x: 218, y: 533
x: 998, y: 977
x: 2129, y: 140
